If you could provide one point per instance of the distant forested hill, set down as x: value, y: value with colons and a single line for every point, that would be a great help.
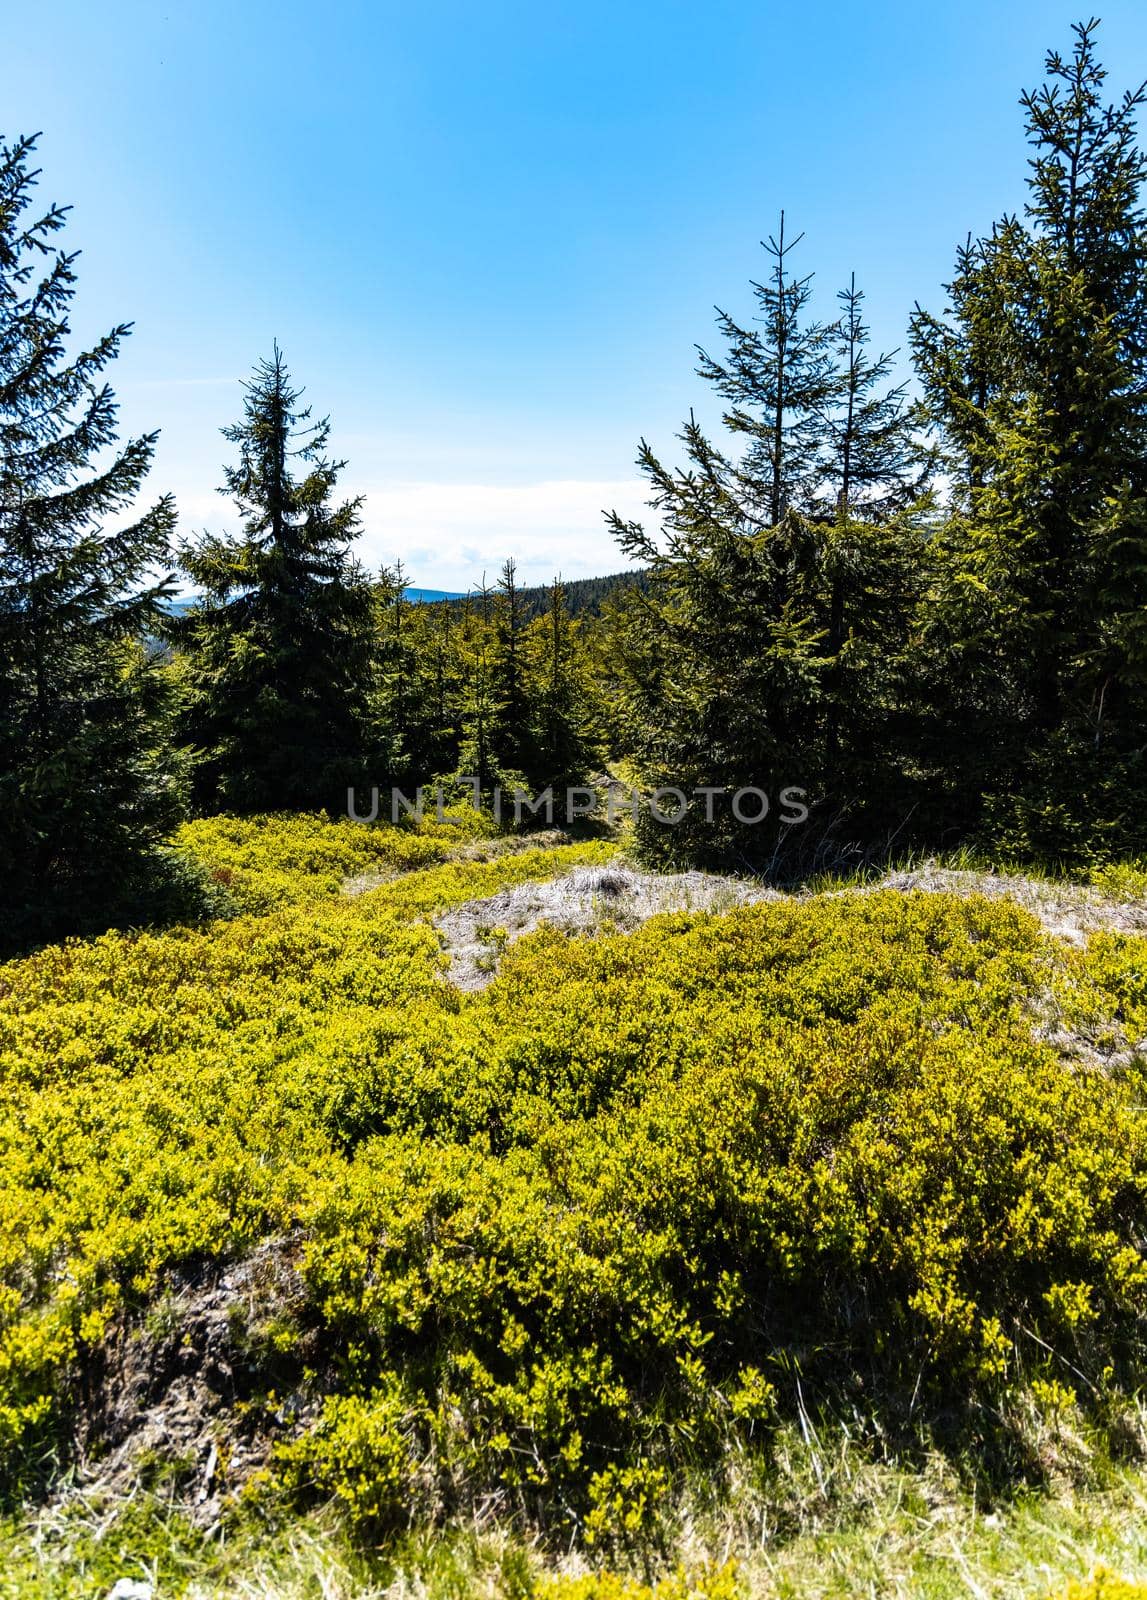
x: 429, y: 596
x: 416, y: 595
x: 584, y: 596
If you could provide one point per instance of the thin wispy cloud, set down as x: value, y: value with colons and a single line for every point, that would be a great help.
x: 448, y: 534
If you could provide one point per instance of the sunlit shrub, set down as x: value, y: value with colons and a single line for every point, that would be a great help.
x: 562, y: 1238
x: 704, y: 1583
x: 1104, y: 1585
x: 1116, y: 965
x: 281, y: 859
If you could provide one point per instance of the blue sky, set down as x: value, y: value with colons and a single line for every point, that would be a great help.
x: 488, y: 236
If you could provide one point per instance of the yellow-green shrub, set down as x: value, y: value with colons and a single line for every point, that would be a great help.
x: 1121, y: 880
x: 164, y: 1095
x: 560, y: 1238
x: 1115, y: 965
x: 1104, y: 1585
x: 646, y: 1165
x: 281, y: 859
x: 364, y: 1453
x: 702, y: 1583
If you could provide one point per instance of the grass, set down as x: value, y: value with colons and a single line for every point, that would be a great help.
x: 823, y: 1523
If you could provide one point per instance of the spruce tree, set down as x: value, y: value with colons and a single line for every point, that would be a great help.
x: 1037, y: 379
x: 562, y: 701
x: 88, y: 786
x: 512, y: 730
x: 720, y: 662
x: 875, y: 461
x: 279, y: 646
x: 868, y: 511
x: 772, y: 635
x: 723, y: 656
x: 778, y: 382
x: 1084, y: 455
x: 477, y: 757
x: 417, y: 685
x: 438, y: 636
x: 396, y: 737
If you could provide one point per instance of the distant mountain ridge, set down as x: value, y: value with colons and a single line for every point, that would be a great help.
x: 429, y: 596
x: 584, y: 596
x: 415, y: 595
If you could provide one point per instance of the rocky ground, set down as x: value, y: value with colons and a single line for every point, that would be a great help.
x: 583, y: 901
x: 590, y: 898
x: 172, y: 1395
x: 1067, y: 910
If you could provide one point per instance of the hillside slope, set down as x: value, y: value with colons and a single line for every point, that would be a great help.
x: 671, y: 1211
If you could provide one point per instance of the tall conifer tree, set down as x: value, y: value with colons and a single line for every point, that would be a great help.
x: 1037, y: 377
x: 778, y: 379
x: 477, y: 757
x: 513, y: 729
x: 563, y: 715
x: 868, y: 513
x: 87, y: 785
x: 781, y: 589
x: 280, y: 645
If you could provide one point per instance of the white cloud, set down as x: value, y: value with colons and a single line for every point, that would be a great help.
x: 448, y: 534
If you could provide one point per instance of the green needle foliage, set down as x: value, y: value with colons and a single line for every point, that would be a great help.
x: 88, y: 786
x: 512, y: 729
x: 769, y: 643
x: 777, y: 383
x: 974, y: 665
x: 567, y: 709
x: 279, y: 649
x: 1036, y: 379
